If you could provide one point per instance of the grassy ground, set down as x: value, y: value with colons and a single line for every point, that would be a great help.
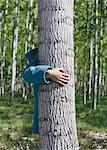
x: 16, y: 121
x: 92, y: 125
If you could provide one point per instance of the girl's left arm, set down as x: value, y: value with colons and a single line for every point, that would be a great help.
x: 36, y: 74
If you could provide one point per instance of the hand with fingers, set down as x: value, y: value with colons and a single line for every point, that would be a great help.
x: 58, y: 75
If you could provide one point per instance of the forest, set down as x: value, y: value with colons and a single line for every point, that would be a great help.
x: 19, y: 33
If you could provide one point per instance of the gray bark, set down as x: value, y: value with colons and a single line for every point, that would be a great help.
x: 90, y: 68
x: 96, y: 60
x: 57, y: 122
x: 14, y: 47
x: 27, y: 26
x: 85, y: 58
x: 4, y: 50
x: 91, y: 53
x: 30, y: 25
x: 101, y: 49
x: 35, y: 26
x: 0, y: 47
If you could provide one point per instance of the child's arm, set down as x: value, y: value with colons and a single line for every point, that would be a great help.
x: 36, y: 74
x: 41, y: 74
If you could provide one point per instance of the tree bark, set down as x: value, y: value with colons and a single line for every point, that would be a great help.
x: 91, y: 53
x: 0, y: 47
x: 57, y: 122
x: 4, y: 49
x: 14, y: 47
x: 85, y: 57
x: 101, y: 49
x: 96, y: 59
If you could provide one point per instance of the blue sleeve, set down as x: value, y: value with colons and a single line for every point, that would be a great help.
x: 36, y: 74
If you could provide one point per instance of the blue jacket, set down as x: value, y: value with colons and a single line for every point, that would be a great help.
x: 34, y: 73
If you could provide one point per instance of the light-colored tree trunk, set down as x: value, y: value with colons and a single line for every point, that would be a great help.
x: 90, y: 67
x: 91, y: 53
x: 4, y: 49
x: 28, y: 45
x: 85, y: 58
x: 14, y: 47
x: 76, y: 69
x: 35, y: 25
x: 101, y: 48
x: 30, y: 24
x: 103, y: 78
x: 0, y: 47
x: 27, y: 27
x: 96, y: 60
x: 57, y: 122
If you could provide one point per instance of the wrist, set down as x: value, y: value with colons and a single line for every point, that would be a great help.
x: 48, y: 73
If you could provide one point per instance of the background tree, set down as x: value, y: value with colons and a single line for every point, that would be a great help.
x: 14, y: 47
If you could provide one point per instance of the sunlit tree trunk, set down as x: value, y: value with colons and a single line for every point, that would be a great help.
x: 4, y: 49
x: 96, y: 60
x: 14, y: 47
x: 35, y: 26
x: 91, y: 53
x: 57, y: 122
x: 85, y: 57
x: 101, y: 48
x: 0, y: 49
x: 30, y: 24
x: 90, y: 67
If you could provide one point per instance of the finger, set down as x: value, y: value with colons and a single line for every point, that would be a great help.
x: 65, y: 78
x: 66, y: 75
x: 60, y: 82
x: 61, y: 70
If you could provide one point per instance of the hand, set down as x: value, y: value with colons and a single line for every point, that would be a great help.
x: 58, y: 75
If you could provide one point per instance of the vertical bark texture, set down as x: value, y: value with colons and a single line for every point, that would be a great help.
x: 4, y: 49
x: 85, y: 56
x: 96, y: 59
x: 91, y: 53
x: 101, y: 49
x: 0, y: 46
x: 57, y: 122
x: 14, y: 47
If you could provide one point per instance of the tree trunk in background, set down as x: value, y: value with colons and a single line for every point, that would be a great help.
x: 14, y: 47
x: 96, y: 59
x: 90, y: 67
x: 101, y: 48
x: 57, y: 122
x: 27, y: 27
x: 0, y: 47
x: 85, y: 53
x: 91, y: 53
x: 4, y: 50
x: 35, y: 25
x: 103, y: 79
x: 76, y: 70
x: 30, y: 24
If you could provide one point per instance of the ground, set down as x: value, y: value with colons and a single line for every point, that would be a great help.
x: 16, y: 121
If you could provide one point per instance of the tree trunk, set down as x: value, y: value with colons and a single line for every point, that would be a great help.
x: 57, y: 122
x: 0, y: 47
x: 30, y: 24
x: 91, y: 53
x: 96, y: 60
x: 90, y: 67
x: 4, y: 50
x: 101, y: 48
x: 14, y: 47
x: 85, y: 57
